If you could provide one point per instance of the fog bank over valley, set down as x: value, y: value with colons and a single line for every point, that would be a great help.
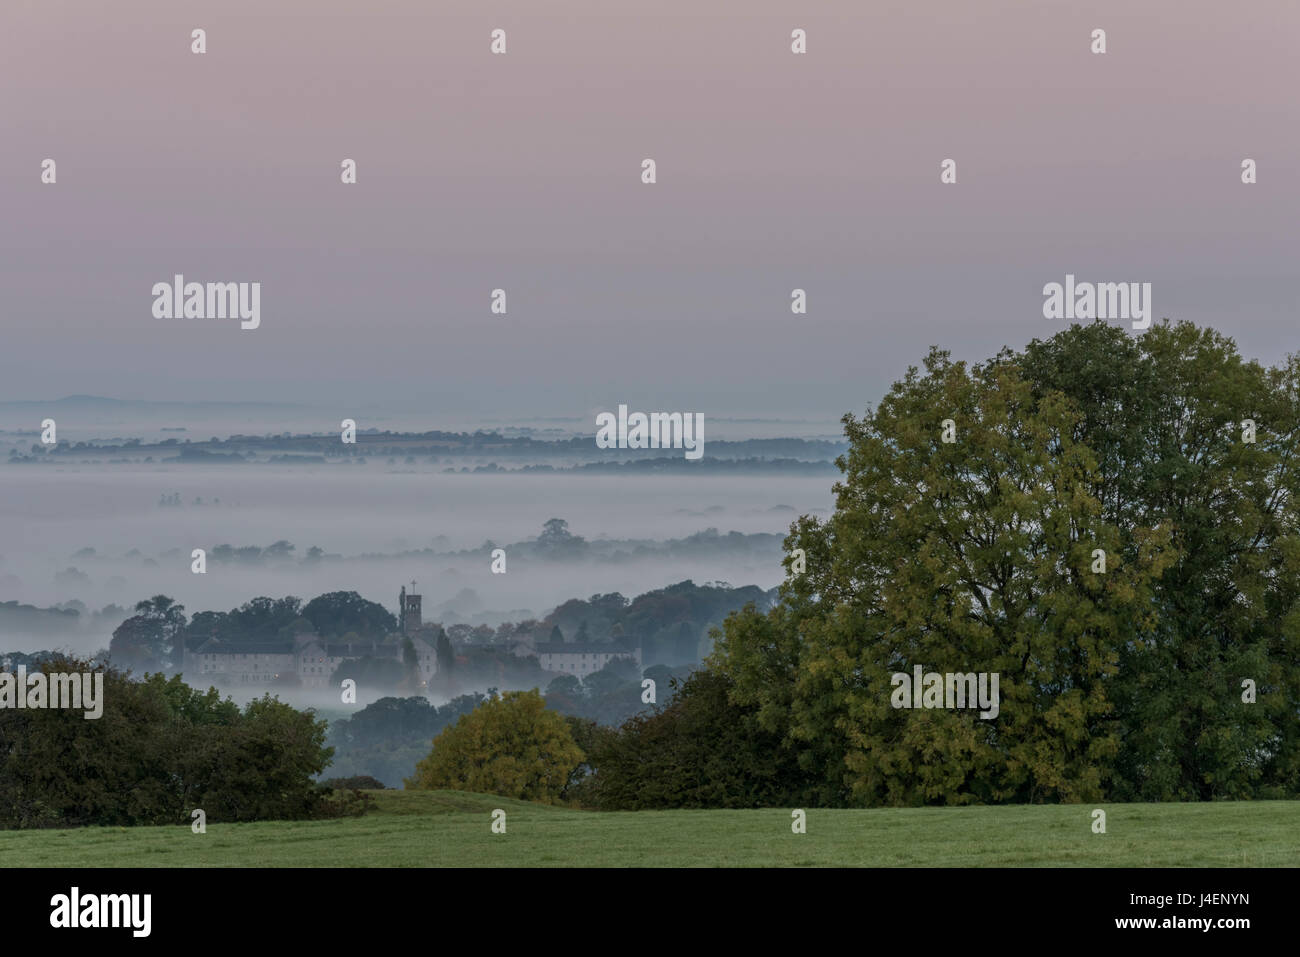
x: 94, y: 528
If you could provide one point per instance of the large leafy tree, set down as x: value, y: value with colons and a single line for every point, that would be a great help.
x: 1169, y: 416
x: 981, y: 554
x: 149, y: 639
x: 340, y: 612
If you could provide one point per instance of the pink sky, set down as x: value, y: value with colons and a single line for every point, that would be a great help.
x: 522, y: 171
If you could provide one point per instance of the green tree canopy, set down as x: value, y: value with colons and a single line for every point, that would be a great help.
x: 340, y: 612
x: 159, y: 750
x: 981, y: 555
x: 700, y: 750
x: 148, y: 640
x: 509, y: 745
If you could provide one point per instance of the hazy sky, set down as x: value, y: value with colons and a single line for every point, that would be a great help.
x: 522, y: 171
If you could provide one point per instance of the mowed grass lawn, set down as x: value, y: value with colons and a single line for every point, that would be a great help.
x: 453, y: 829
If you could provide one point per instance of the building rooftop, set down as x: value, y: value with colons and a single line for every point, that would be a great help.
x: 216, y: 646
x: 624, y: 647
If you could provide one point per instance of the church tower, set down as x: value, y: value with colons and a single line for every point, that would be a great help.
x: 408, y: 615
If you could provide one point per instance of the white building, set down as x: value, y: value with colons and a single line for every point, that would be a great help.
x: 583, y: 658
x: 306, y: 661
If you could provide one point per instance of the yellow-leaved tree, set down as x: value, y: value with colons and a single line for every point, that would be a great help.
x: 509, y: 745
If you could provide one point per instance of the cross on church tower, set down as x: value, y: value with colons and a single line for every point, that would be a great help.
x: 409, y: 611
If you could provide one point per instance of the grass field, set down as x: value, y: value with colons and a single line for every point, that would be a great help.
x: 448, y: 828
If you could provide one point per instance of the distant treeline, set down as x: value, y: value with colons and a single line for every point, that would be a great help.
x: 444, y: 447
x: 709, y: 543
x: 62, y: 619
x: 669, y: 624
